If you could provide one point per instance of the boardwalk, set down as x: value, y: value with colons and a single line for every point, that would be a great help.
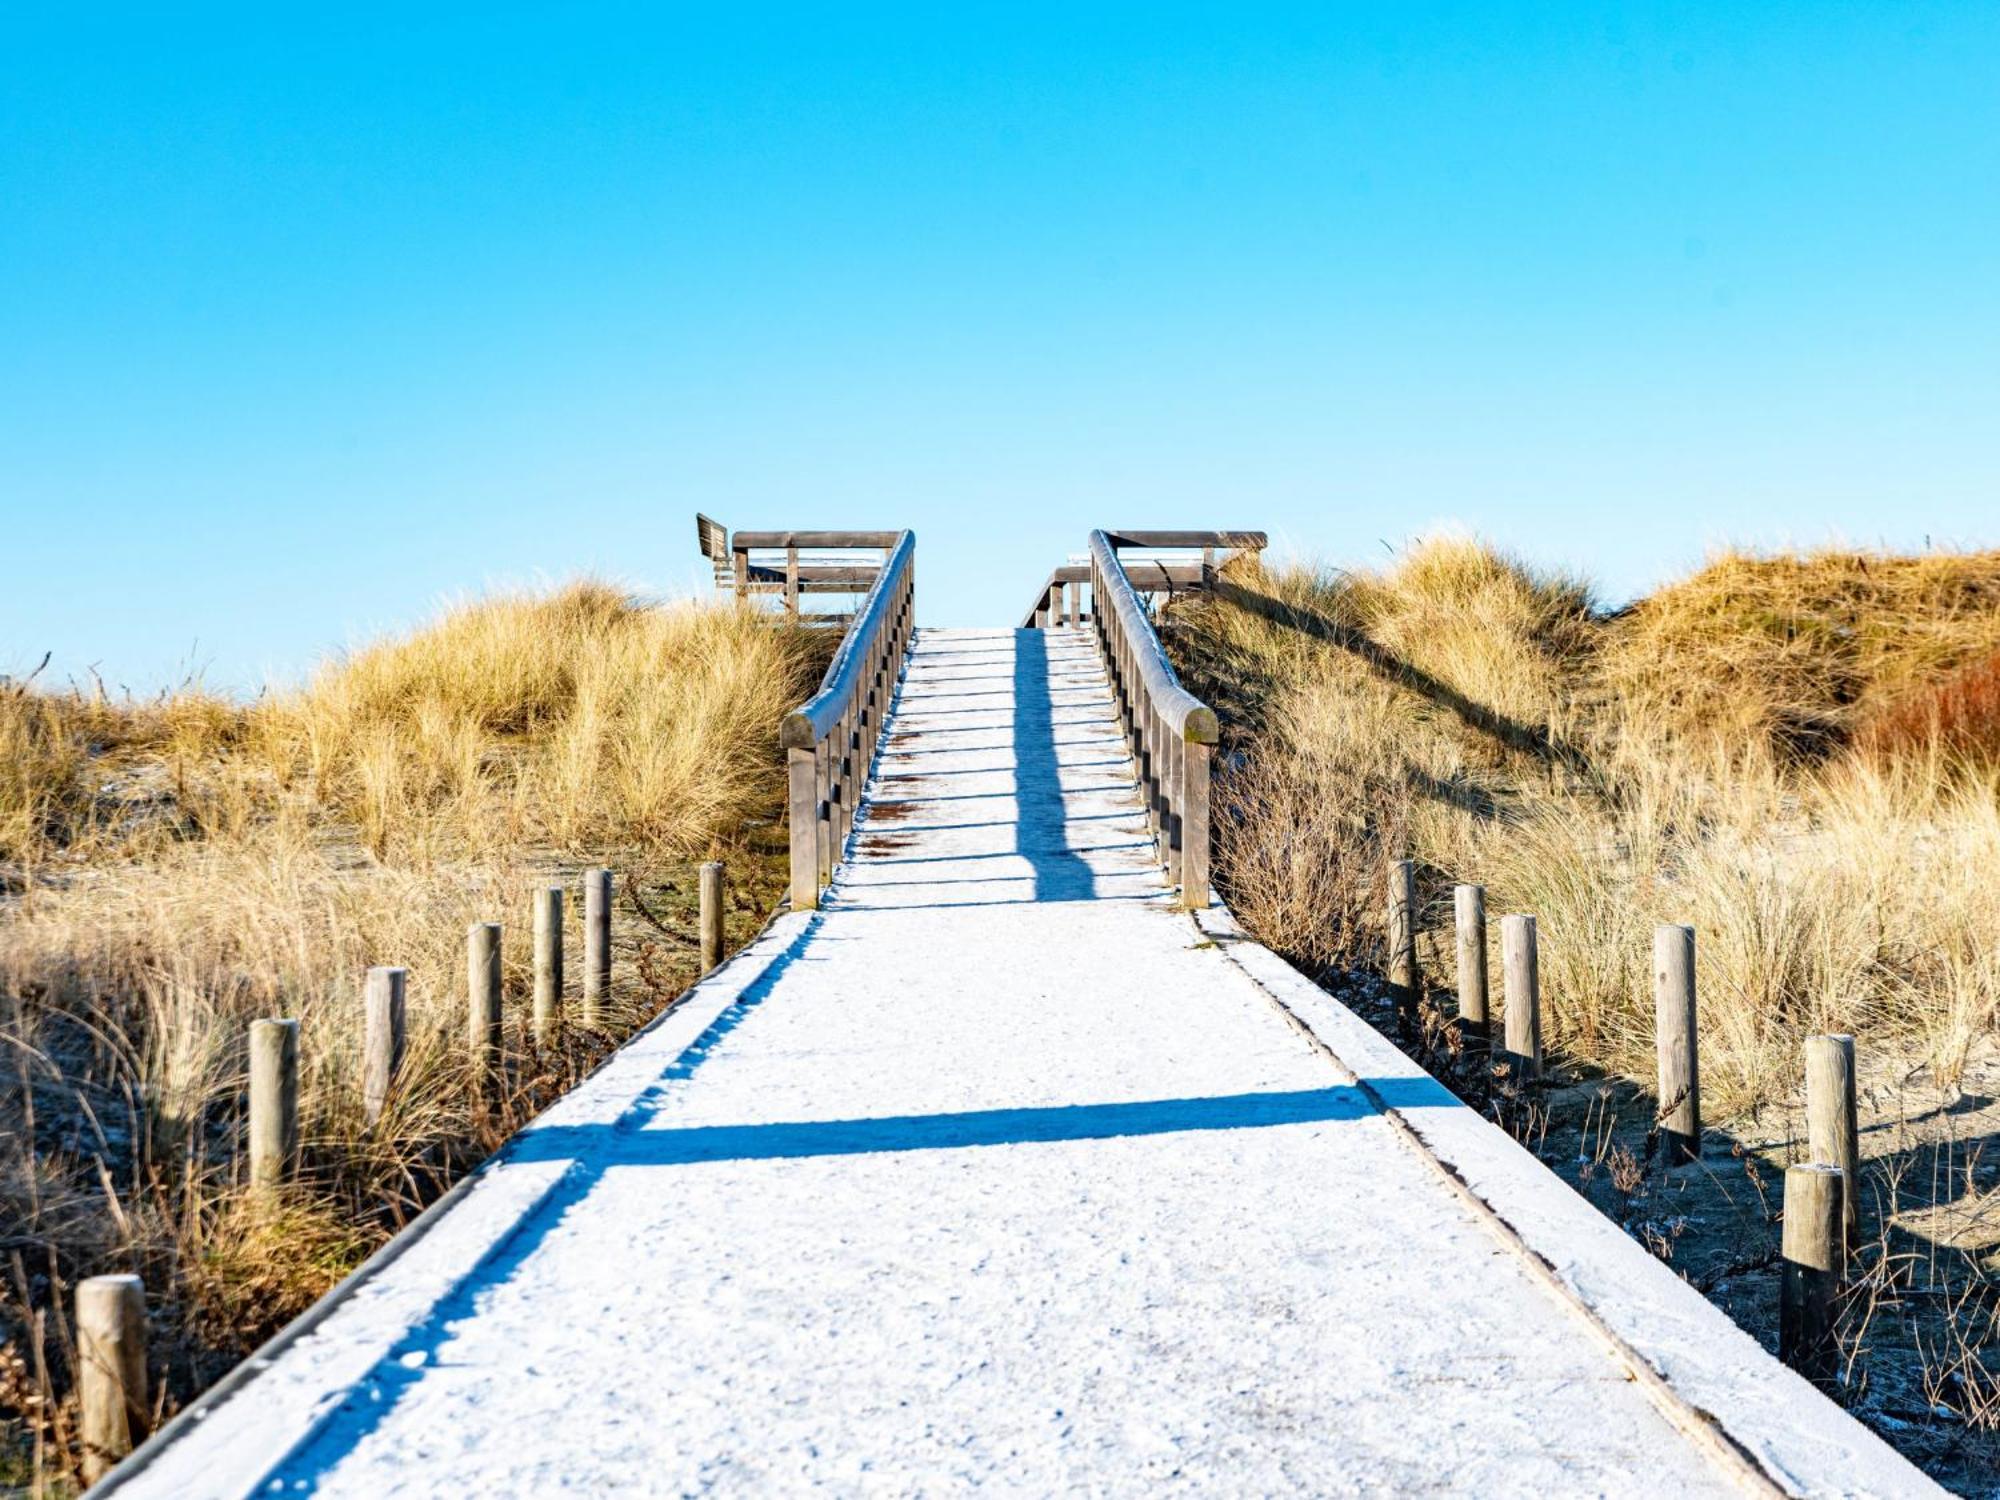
x: 994, y: 1171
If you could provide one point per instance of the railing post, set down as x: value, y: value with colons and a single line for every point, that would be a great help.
x: 1403, y: 943
x: 1194, y: 827
x: 1674, y: 1043
x: 596, y: 945
x: 548, y: 962
x: 802, y: 811
x: 822, y: 812
x: 111, y: 1369
x: 383, y: 1032
x: 1469, y: 908
x: 1173, y: 746
x: 482, y: 1019
x: 792, y: 582
x: 1518, y: 950
x: 274, y: 1102
x: 1815, y: 1259
x: 1833, y: 1127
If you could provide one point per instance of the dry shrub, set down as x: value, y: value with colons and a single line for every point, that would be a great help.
x: 1957, y: 721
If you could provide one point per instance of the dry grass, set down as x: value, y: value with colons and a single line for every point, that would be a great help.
x: 179, y: 867
x: 1684, y: 761
x: 1794, y: 755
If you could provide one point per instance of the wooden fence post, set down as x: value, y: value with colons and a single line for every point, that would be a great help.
x: 274, y: 1102
x: 482, y: 983
x: 382, y: 1038
x: 1674, y: 1042
x: 111, y: 1369
x: 1403, y: 942
x: 711, y: 914
x: 802, y: 816
x: 596, y: 945
x: 1815, y: 1257
x: 1522, y: 960
x: 1833, y: 1126
x: 548, y: 961
x: 1469, y: 908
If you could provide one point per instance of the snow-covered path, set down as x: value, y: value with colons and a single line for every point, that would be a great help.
x: 991, y: 1172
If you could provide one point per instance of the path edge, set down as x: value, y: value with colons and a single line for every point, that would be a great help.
x: 694, y: 1009
x: 1762, y: 1423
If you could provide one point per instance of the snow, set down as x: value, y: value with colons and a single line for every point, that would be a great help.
x: 994, y: 1171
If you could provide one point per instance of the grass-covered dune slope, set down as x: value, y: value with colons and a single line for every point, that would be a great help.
x: 176, y: 868
x: 1798, y: 756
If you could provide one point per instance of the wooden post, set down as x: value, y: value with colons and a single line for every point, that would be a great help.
x: 1194, y: 826
x: 802, y: 813
x: 111, y: 1369
x: 548, y: 961
x: 792, y: 582
x: 1469, y: 908
x: 274, y: 1102
x: 711, y: 914
x: 482, y: 983
x: 596, y: 945
x: 382, y: 1038
x: 1522, y: 960
x: 1815, y: 1258
x: 1403, y: 943
x: 1674, y: 1041
x: 1833, y: 1127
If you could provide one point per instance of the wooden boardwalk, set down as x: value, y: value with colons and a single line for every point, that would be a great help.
x: 997, y: 1170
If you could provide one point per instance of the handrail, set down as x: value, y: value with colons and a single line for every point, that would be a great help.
x: 1169, y: 732
x: 830, y: 740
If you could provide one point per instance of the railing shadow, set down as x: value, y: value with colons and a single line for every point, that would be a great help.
x: 1530, y: 739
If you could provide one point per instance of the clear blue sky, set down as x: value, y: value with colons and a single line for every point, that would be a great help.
x: 310, y: 316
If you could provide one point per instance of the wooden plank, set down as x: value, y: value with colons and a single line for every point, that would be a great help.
x: 746, y: 541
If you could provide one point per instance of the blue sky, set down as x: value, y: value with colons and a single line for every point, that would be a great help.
x: 308, y: 320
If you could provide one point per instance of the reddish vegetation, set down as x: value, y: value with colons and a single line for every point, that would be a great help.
x: 1958, y: 719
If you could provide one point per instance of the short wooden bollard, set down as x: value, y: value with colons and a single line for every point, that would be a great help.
x: 482, y: 983
x: 596, y: 945
x: 548, y: 960
x: 1815, y: 1258
x: 111, y: 1369
x: 1674, y: 1042
x: 1469, y: 907
x: 274, y: 1102
x: 1833, y: 1125
x: 383, y: 1035
x: 711, y: 914
x: 1522, y: 961
x: 1403, y: 942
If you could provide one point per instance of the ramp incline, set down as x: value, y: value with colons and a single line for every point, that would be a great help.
x: 993, y: 1170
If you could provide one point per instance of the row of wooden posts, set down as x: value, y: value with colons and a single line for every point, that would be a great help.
x: 1822, y: 1217
x: 111, y: 1310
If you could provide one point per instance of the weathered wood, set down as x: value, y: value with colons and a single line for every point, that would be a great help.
x: 382, y: 1037
x: 711, y: 914
x: 1195, y: 827
x: 1469, y: 912
x: 1254, y: 540
x: 274, y: 1102
x: 1521, y: 959
x: 802, y: 813
x: 1183, y: 714
x: 1403, y: 943
x: 1674, y: 1040
x: 1815, y: 1259
x: 831, y: 541
x: 792, y: 581
x: 548, y: 962
x: 111, y: 1370
x: 1833, y: 1124
x: 811, y: 722
x: 596, y: 945
x: 482, y: 1020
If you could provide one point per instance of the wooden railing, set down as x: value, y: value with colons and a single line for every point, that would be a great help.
x: 830, y: 740
x: 1065, y: 600
x: 794, y: 564
x: 1170, y: 733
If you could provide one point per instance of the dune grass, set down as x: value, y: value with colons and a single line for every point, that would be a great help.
x: 178, y: 867
x: 1791, y: 754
